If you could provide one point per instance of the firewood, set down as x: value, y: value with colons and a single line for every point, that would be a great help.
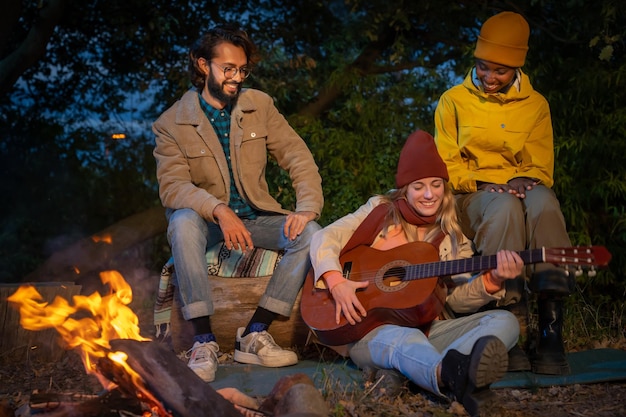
x: 181, y: 392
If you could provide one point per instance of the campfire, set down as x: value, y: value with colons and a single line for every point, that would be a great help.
x: 105, y: 332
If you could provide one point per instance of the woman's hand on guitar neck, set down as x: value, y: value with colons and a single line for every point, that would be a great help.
x: 510, y: 266
x: 344, y: 294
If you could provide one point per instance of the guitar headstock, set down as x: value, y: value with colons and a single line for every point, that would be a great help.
x: 578, y: 256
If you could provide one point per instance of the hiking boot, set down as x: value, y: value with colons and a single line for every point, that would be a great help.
x: 518, y: 360
x: 259, y: 348
x: 549, y: 357
x: 203, y: 360
x: 552, y: 287
x: 469, y: 376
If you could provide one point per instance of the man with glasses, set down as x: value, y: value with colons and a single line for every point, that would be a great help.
x: 211, y: 150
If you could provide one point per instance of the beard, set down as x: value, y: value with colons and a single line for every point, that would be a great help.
x: 217, y: 91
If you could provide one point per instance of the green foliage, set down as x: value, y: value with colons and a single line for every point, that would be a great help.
x: 584, y: 82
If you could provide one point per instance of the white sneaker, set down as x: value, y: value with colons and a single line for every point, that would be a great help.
x: 259, y: 348
x: 203, y: 360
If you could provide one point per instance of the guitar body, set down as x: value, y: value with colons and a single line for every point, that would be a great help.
x: 389, y: 298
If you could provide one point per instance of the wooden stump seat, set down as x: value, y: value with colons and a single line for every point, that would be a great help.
x: 237, y: 281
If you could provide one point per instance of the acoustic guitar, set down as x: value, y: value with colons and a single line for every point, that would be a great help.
x: 406, y: 285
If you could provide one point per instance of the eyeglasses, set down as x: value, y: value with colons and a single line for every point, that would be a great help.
x: 231, y: 72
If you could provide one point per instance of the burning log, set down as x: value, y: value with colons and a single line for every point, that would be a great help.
x: 181, y: 392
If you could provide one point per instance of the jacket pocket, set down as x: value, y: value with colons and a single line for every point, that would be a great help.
x: 255, y: 132
x: 203, y: 169
x: 253, y: 146
x: 515, y: 136
x: 197, y: 152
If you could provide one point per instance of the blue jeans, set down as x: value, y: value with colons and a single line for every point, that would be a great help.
x: 418, y: 356
x: 190, y: 236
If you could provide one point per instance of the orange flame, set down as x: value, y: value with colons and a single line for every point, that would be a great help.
x: 97, y: 321
x: 104, y: 238
x: 101, y: 320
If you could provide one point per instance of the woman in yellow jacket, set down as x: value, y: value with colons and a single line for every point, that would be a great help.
x: 494, y: 132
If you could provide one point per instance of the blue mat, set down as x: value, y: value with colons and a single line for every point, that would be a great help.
x: 587, y: 367
x: 591, y: 366
x: 257, y: 380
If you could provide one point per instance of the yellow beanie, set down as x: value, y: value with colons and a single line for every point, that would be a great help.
x: 503, y: 40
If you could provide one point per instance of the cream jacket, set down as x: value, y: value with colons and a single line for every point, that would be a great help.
x: 494, y: 137
x: 466, y: 297
x: 191, y: 166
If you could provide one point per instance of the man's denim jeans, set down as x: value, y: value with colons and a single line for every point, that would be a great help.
x: 190, y: 236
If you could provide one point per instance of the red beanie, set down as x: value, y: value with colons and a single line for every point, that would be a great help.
x: 419, y: 159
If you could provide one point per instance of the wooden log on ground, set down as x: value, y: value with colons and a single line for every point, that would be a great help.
x: 235, y: 301
x: 167, y: 378
x: 17, y: 343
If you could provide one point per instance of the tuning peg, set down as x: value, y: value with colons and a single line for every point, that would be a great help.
x: 592, y: 272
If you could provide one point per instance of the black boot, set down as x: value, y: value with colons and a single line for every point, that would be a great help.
x: 549, y: 357
x: 518, y: 359
x: 469, y: 376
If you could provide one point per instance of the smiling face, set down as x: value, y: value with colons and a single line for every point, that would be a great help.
x: 494, y: 77
x: 219, y: 90
x: 426, y: 195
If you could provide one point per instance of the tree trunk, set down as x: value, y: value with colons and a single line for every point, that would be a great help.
x: 94, y: 252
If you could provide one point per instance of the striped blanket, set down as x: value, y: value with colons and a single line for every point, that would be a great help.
x: 221, y: 262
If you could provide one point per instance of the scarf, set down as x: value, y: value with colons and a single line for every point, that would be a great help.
x: 367, y: 231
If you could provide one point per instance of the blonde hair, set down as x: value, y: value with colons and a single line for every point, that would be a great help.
x: 446, y: 221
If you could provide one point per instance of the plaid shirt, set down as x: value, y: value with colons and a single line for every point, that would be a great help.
x: 220, y: 120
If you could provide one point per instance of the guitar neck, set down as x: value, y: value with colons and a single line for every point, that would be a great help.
x: 458, y: 266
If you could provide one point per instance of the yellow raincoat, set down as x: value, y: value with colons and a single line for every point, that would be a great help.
x: 494, y: 137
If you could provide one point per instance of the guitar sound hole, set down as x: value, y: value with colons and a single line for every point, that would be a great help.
x: 393, y: 276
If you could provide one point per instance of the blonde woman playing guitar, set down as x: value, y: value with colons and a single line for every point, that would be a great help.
x: 461, y: 355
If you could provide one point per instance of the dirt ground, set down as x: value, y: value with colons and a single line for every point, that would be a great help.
x: 19, y: 381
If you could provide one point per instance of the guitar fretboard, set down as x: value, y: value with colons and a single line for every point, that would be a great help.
x: 458, y: 266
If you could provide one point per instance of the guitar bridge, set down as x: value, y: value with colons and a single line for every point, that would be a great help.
x: 347, y: 269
